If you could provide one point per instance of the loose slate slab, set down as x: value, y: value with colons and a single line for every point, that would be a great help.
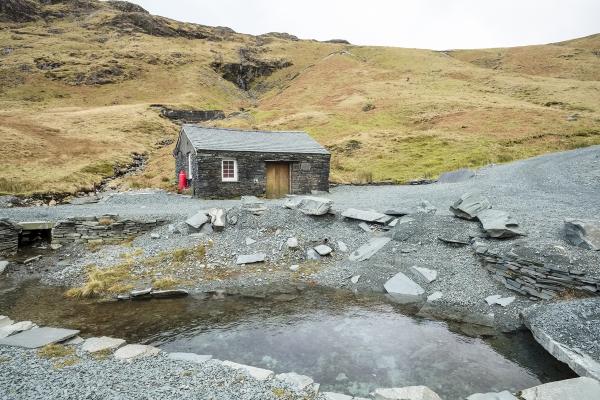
x: 403, y: 289
x: 406, y: 393
x: 469, y: 205
x: 260, y: 374
x: 250, y: 258
x: 190, y: 357
x: 369, y: 249
x: 429, y: 275
x: 365, y: 227
x: 170, y: 293
x: 133, y: 351
x: 323, y: 249
x: 505, y: 395
x: 5, y: 321
x: 583, y: 233
x: 435, y: 296
x: 367, y: 216
x: 197, y: 220
x: 499, y: 224
x: 310, y: 205
x: 399, y: 212
x: 96, y: 344
x: 569, y: 389
x: 39, y: 337
x: 297, y: 381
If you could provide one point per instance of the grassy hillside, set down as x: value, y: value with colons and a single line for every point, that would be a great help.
x: 77, y: 79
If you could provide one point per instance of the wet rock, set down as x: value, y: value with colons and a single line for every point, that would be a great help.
x: 39, y: 337
x: 460, y: 175
x: 569, y: 389
x: 365, y: 227
x: 190, y: 357
x: 250, y: 258
x: 323, y: 250
x: 141, y: 292
x: 132, y: 351
x: 429, y: 275
x: 499, y: 224
x: 197, y: 220
x: 369, y: 249
x: 292, y: 243
x: 583, y: 233
x: 406, y: 393
x: 403, y: 289
x: 366, y: 216
x: 297, y: 381
x: 505, y: 395
x: 310, y: 205
x: 469, y: 205
x: 168, y: 294
x: 103, y: 343
x: 257, y: 373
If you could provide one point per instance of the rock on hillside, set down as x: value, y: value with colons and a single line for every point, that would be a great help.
x: 19, y: 10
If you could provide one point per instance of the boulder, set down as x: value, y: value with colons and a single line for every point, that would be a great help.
x: 403, y: 289
x: 369, y: 249
x: 132, y: 351
x: 505, y: 395
x: 499, y: 224
x: 216, y: 218
x: 257, y: 373
x: 292, y: 243
x: 103, y: 343
x: 310, y: 205
x: 570, y: 389
x: 39, y: 337
x: 367, y: 216
x: 460, y: 175
x: 583, y: 233
x: 250, y: 258
x: 197, y: 220
x: 323, y: 249
x: 406, y: 393
x: 469, y: 205
x: 429, y: 275
x: 190, y: 357
x: 297, y: 381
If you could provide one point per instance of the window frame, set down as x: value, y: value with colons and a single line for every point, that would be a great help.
x: 235, y: 170
x: 190, y: 168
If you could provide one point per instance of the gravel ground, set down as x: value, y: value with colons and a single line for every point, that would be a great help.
x: 25, y: 375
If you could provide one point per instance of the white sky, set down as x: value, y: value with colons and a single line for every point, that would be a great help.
x: 432, y: 24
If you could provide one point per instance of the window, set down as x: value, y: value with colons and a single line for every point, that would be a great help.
x: 229, y: 171
x: 189, y: 166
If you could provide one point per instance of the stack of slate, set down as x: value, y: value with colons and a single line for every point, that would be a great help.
x: 9, y: 237
x: 532, y: 278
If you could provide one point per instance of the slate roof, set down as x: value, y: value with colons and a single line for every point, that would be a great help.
x: 205, y: 138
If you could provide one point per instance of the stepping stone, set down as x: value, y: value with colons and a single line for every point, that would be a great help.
x: 323, y: 250
x: 16, y: 327
x: 505, y: 395
x: 250, y: 241
x: 406, y: 393
x: 369, y: 249
x: 171, y: 293
x: 250, y: 258
x: 132, y: 351
x: 5, y: 321
x: 367, y: 216
x: 96, y: 344
x: 435, y: 296
x: 297, y: 381
x: 569, y: 389
x: 403, y: 289
x: 39, y: 337
x: 190, y: 357
x: 469, y: 205
x: 429, y: 275
x: 257, y: 373
x: 342, y: 247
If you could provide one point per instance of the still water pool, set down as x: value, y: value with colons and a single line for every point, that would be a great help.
x: 349, y: 343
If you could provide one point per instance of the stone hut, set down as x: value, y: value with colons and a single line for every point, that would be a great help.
x: 227, y: 163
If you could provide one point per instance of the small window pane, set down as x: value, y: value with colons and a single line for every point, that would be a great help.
x: 228, y: 169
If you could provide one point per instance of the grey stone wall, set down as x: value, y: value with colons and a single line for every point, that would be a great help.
x: 104, y: 228
x: 308, y: 172
x: 9, y: 237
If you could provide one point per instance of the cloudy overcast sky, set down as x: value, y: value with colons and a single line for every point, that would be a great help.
x: 432, y: 24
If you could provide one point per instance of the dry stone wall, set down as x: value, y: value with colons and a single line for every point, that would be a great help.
x: 9, y: 237
x: 104, y: 228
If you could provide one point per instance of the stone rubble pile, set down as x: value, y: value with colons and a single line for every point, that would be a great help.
x: 532, y: 278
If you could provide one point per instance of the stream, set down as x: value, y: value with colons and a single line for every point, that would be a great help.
x: 349, y: 343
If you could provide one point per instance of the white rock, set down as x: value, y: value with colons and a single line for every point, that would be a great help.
x: 297, y: 381
x: 5, y: 321
x: 3, y: 265
x: 498, y: 299
x: 191, y: 357
x: 435, y: 296
x: 15, y: 328
x: 216, y: 219
x: 342, y: 247
x: 257, y: 373
x: 154, y: 236
x: 368, y: 249
x: 492, y: 299
x: 250, y: 241
x: 96, y: 344
x: 430, y: 275
x: 294, y: 267
x: 335, y: 396
x: 292, y: 243
x: 406, y: 393
x: 402, y: 288
x: 393, y: 222
x: 323, y: 250
x: 505, y: 395
x: 133, y: 351
x: 250, y: 258
x: 570, y: 389
x: 355, y: 279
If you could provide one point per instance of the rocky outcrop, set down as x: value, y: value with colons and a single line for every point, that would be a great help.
x: 19, y: 10
x: 191, y: 116
x: 126, y: 6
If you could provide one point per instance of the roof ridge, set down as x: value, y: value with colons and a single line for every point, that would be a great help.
x: 239, y: 130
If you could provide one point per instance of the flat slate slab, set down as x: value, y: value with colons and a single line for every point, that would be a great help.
x: 260, y: 374
x: 505, y: 395
x: 96, y: 344
x: 406, y: 393
x: 190, y: 357
x: 250, y: 258
x: 367, y: 216
x: 499, y: 224
x: 569, y: 389
x: 469, y: 205
x: 429, y: 275
x: 403, y: 289
x: 39, y: 337
x: 133, y: 351
x: 197, y: 220
x: 310, y: 205
x: 369, y: 249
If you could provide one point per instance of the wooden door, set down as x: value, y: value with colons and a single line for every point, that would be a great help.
x: 278, y: 179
